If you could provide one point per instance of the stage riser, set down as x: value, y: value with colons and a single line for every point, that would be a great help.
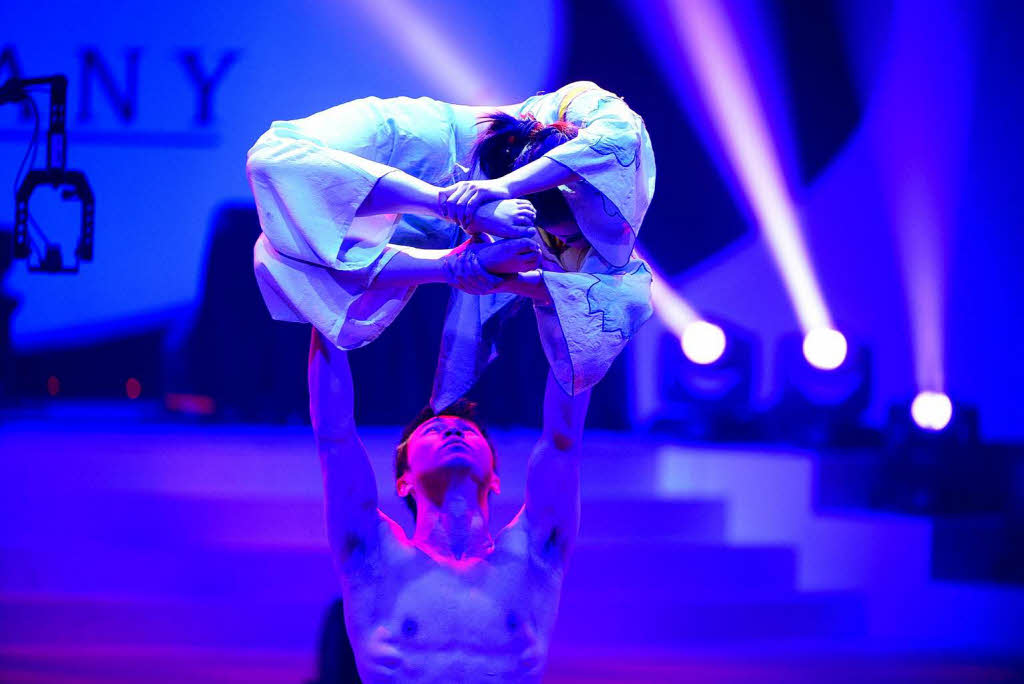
x: 130, y: 519
x: 649, y: 572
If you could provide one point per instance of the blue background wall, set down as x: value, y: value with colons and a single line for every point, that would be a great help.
x: 869, y: 104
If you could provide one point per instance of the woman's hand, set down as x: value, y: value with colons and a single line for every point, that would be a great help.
x: 509, y: 256
x: 476, y: 266
x: 506, y: 218
x: 464, y: 270
x: 459, y: 202
x: 527, y: 284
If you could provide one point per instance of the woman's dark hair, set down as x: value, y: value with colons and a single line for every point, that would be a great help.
x: 462, y: 408
x: 510, y: 142
x: 501, y: 143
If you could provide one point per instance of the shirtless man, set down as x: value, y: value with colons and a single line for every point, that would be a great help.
x: 451, y: 603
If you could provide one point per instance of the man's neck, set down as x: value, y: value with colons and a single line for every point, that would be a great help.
x: 452, y: 517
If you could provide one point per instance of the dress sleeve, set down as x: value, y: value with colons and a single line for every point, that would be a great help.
x: 307, y: 195
x: 613, y: 156
x: 340, y: 304
x: 591, y: 317
x: 316, y: 261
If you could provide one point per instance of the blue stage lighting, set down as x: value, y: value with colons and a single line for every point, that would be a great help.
x: 823, y: 394
x: 705, y: 382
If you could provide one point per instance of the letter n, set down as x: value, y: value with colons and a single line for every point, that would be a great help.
x: 124, y: 102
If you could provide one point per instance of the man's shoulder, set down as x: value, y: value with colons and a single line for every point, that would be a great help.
x: 524, y: 540
x: 514, y: 538
x: 393, y: 539
x: 385, y: 546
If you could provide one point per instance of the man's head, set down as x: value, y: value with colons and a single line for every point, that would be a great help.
x: 450, y: 440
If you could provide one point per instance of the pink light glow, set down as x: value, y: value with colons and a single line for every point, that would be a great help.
x: 921, y: 140
x: 672, y: 309
x: 723, y: 80
x: 431, y: 51
x: 923, y: 263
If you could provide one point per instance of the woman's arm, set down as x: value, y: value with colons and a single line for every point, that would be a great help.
x: 399, y: 193
x: 460, y: 202
x: 527, y: 284
x: 476, y: 266
x: 412, y: 266
x: 538, y: 175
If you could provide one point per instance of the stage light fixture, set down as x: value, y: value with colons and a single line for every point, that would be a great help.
x: 825, y: 388
x: 703, y: 342
x: 931, y: 410
x: 825, y: 348
x: 940, y: 471
x: 705, y: 383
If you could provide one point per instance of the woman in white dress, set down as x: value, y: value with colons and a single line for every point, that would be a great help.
x: 362, y: 202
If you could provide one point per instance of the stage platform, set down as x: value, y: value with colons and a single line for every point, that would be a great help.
x: 136, y: 549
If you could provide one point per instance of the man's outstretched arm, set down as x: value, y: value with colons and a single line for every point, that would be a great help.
x: 553, y: 473
x: 350, y: 490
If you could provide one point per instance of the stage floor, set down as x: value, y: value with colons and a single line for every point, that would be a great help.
x: 135, y: 549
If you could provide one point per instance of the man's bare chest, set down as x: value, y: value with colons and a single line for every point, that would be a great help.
x: 427, y: 617
x: 482, y: 606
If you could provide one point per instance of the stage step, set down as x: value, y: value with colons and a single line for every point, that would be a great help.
x: 618, y: 618
x: 106, y: 621
x: 153, y: 665
x: 145, y: 519
x: 260, y: 462
x: 611, y: 665
x: 609, y: 618
x: 157, y: 541
x: 647, y: 569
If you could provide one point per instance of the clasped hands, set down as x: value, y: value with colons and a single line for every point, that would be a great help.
x: 486, y: 206
x: 480, y: 265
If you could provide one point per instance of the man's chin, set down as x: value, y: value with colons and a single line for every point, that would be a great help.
x: 457, y: 462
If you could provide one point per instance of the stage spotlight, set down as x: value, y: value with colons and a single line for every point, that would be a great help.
x: 825, y: 389
x: 825, y: 348
x: 703, y: 342
x: 931, y: 410
x: 705, y: 383
x: 941, y: 471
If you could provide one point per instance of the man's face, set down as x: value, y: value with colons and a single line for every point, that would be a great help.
x: 448, y: 442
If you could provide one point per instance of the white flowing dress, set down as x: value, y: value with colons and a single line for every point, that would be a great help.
x: 316, y: 261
